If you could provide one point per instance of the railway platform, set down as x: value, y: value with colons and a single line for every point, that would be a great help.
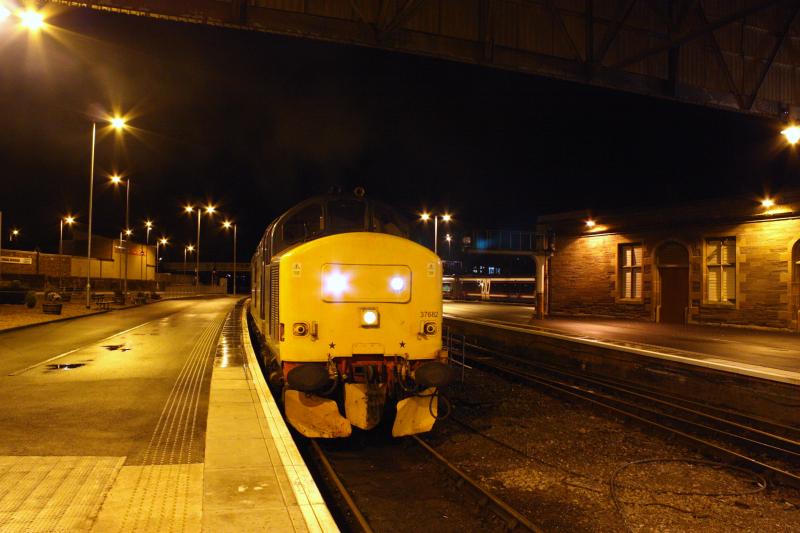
x: 763, y: 354
x: 152, y: 419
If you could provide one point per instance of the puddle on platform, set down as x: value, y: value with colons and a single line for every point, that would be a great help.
x: 65, y: 366
x: 115, y: 347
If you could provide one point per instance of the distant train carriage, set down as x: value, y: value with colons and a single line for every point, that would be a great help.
x: 350, y: 314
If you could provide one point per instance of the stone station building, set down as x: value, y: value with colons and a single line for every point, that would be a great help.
x: 733, y: 261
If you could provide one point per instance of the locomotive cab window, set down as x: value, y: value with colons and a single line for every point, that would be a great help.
x: 346, y: 215
x: 386, y: 220
x: 301, y: 226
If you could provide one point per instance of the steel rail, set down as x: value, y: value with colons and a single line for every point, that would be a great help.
x: 669, y: 402
x: 512, y: 517
x: 331, y: 473
x: 592, y: 397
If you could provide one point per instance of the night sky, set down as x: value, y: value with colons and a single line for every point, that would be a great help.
x: 257, y: 122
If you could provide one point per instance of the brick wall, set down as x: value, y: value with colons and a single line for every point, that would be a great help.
x: 584, y: 273
x: 51, y: 265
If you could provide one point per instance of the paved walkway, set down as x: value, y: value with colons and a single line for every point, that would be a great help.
x: 745, y: 349
x: 164, y: 426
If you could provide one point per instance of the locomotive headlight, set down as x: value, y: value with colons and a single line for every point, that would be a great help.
x: 334, y: 284
x: 397, y: 283
x: 370, y: 318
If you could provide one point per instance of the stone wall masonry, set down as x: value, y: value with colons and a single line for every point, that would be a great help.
x: 584, y: 274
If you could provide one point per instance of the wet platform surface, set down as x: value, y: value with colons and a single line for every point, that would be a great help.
x: 147, y: 419
x: 763, y: 353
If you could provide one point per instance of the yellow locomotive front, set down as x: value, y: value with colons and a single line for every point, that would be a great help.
x: 354, y: 327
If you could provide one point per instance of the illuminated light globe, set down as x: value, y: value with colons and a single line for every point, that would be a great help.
x: 32, y: 20
x: 335, y: 284
x: 792, y: 134
x: 397, y: 283
x: 370, y: 318
x: 4, y: 13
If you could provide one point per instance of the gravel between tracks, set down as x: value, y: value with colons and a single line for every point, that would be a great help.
x: 571, y: 452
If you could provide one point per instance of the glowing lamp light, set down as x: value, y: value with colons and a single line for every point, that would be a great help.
x: 190, y: 248
x: 69, y: 220
x: 4, y: 13
x: 446, y: 218
x: 210, y: 209
x: 116, y: 180
x: 369, y: 317
x: 767, y: 203
x: 128, y: 232
x: 227, y: 224
x: 31, y: 20
x: 425, y: 217
x: 118, y: 123
x: 148, y: 224
x: 188, y: 209
x: 163, y: 241
x: 792, y: 134
x: 590, y: 223
x: 397, y: 283
x: 335, y: 284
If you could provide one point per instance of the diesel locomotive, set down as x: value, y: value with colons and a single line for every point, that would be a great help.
x: 349, y: 313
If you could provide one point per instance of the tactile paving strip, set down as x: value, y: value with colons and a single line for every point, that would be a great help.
x: 52, y: 493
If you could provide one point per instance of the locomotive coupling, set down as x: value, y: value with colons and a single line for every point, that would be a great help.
x: 433, y: 374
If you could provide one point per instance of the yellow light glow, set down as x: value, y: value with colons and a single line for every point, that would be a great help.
x: 210, y: 209
x: 448, y: 238
x: 148, y: 224
x: 14, y: 232
x: 32, y: 20
x: 116, y: 180
x: 69, y: 220
x: 4, y: 13
x: 188, y: 209
x: 190, y: 248
x: 118, y: 123
x: 792, y: 134
x: 163, y: 241
x: 590, y: 223
x: 446, y: 218
x: 425, y: 217
x: 227, y: 224
x: 767, y: 203
x: 128, y: 232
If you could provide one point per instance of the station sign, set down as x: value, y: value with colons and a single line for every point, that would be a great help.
x: 16, y: 260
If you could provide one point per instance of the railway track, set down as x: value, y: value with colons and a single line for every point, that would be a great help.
x: 760, y: 444
x: 503, y: 514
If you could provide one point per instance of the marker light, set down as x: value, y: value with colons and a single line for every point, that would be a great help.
x: 369, y: 318
x: 397, y: 283
x: 335, y: 284
x: 767, y: 203
x: 590, y: 223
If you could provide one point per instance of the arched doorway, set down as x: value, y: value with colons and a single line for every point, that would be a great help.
x: 672, y: 261
x: 796, y: 283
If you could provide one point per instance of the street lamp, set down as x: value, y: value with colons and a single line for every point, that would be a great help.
x: 69, y: 220
x: 118, y: 124
x: 448, y: 238
x: 210, y: 210
x: 792, y: 134
x: 188, y: 248
x: 425, y: 217
x: 227, y: 225
x: 30, y: 19
x: 116, y: 179
x: 148, y: 224
x: 14, y: 233
x: 163, y: 241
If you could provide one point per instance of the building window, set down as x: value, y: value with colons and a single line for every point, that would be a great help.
x: 630, y: 271
x: 721, y: 270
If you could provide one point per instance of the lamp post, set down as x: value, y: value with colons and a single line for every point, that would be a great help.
x: 210, y: 210
x: 425, y: 217
x: 188, y: 248
x: 227, y: 225
x: 143, y: 271
x: 117, y: 180
x: 118, y: 124
x: 160, y: 242
x: 70, y: 220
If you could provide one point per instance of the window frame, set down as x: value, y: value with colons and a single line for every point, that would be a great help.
x: 707, y: 302
x: 621, y: 269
